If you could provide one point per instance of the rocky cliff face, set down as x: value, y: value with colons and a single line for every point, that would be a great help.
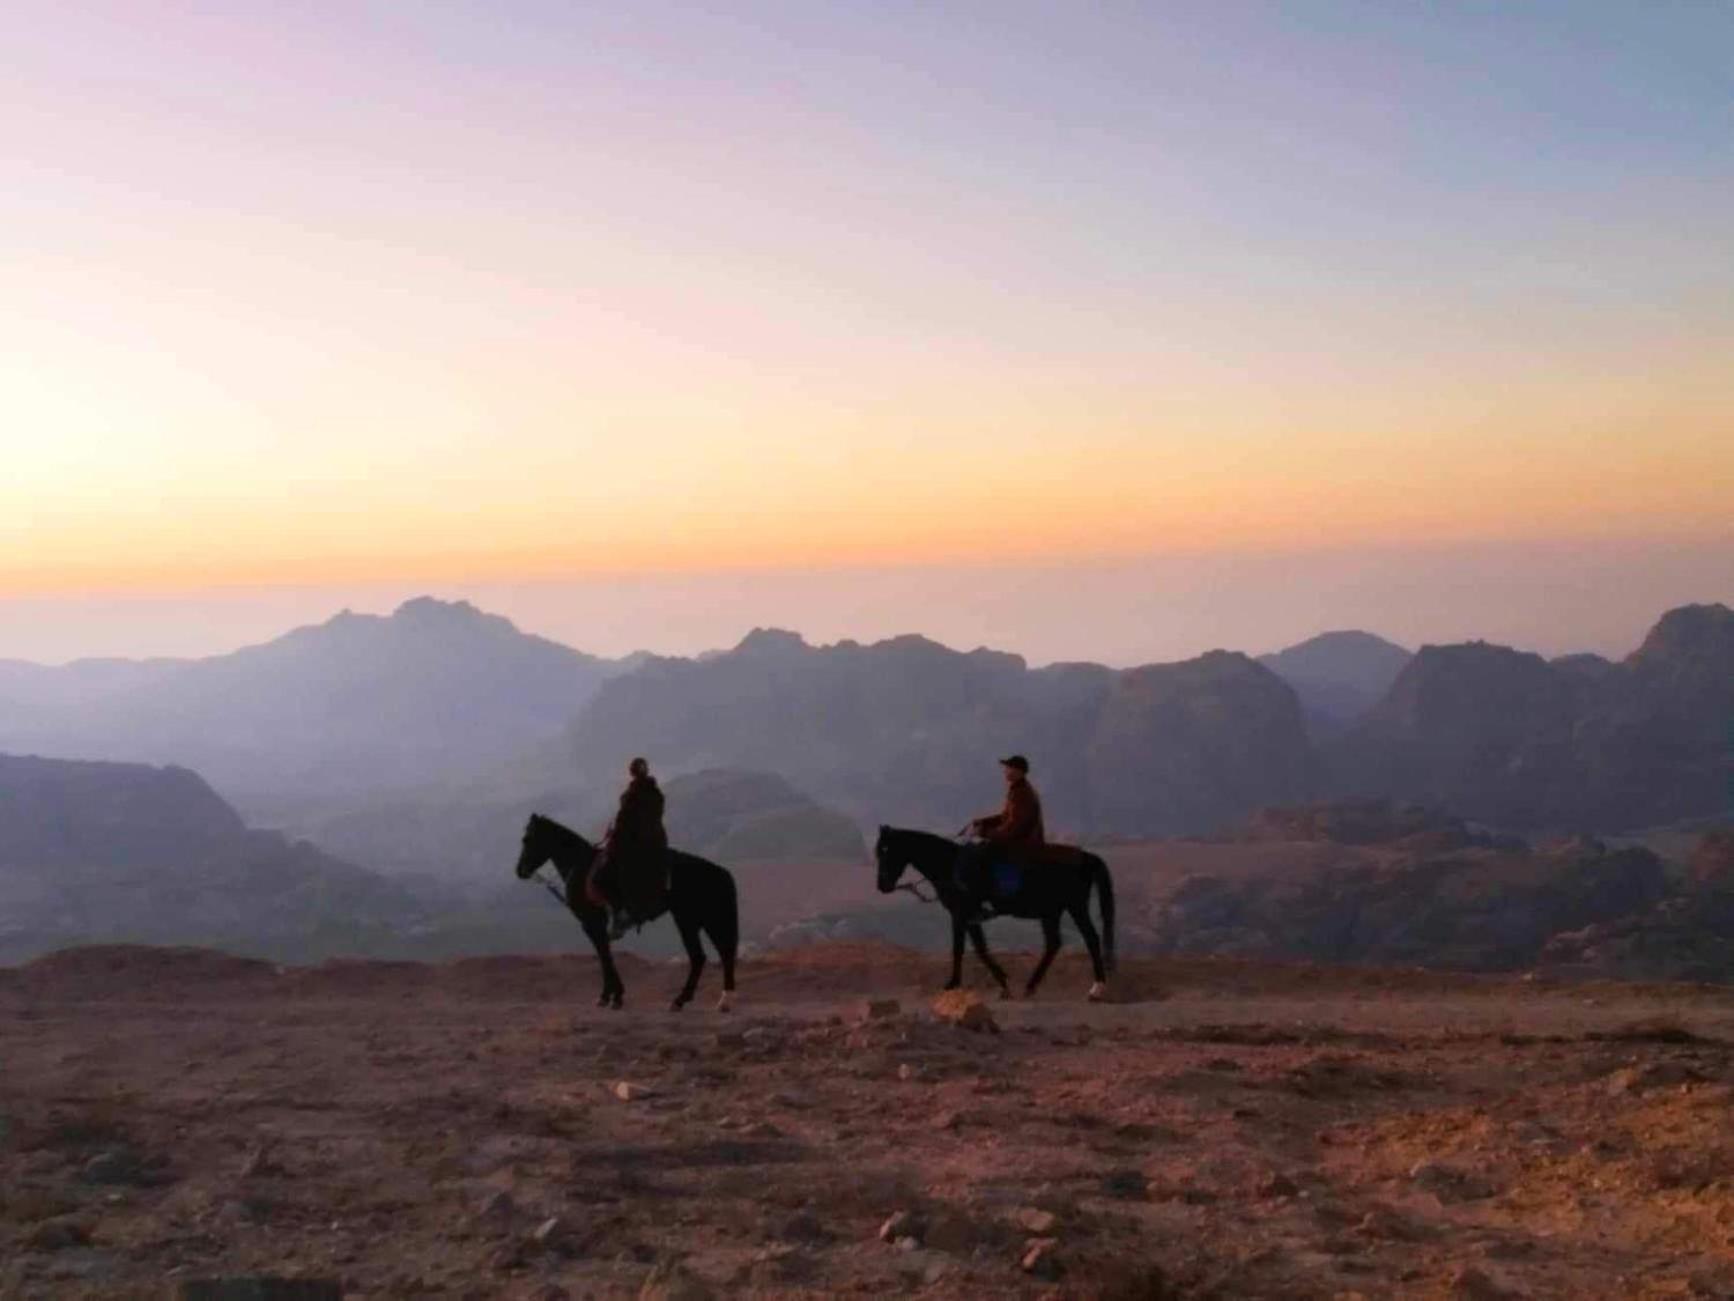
x: 360, y: 702
x: 1505, y: 737
x: 93, y: 852
x: 55, y: 813
x: 1473, y: 909
x: 906, y: 731
x: 1338, y: 676
x: 1193, y: 746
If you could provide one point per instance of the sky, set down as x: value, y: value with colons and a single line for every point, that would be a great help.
x: 1111, y: 331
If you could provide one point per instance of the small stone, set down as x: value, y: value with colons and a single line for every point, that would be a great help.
x: 950, y: 1232
x: 1636, y: 1079
x: 1034, y: 1220
x: 1476, y: 1285
x: 906, y: 1072
x: 964, y: 1009
x: 902, y: 1224
x: 259, y: 1163
x: 551, y: 1234
x: 674, y: 1282
x: 58, y: 1235
x: 627, y: 1091
x: 497, y: 1206
x: 1277, y: 1185
x: 1383, y: 1222
x: 1038, y: 1257
x: 804, y: 1226
x: 120, y: 1166
x: 262, y: 1287
x: 1125, y: 1184
x: 879, y: 1009
x: 1447, y: 1183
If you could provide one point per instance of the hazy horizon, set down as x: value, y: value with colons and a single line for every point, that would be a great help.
x: 1598, y: 597
x: 694, y: 306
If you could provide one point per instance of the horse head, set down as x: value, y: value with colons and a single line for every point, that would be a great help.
x: 892, y: 857
x: 536, y: 848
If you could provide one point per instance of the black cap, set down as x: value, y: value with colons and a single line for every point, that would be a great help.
x: 1017, y: 761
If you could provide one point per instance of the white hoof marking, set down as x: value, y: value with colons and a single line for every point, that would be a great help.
x: 1098, y: 992
x: 727, y: 1002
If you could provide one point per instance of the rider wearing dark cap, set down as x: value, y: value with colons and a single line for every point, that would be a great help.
x: 1013, y: 831
x: 1020, y: 821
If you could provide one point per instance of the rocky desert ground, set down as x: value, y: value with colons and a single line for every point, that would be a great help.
x: 1219, y: 1129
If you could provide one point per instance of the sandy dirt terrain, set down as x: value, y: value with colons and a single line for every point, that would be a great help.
x: 477, y: 1129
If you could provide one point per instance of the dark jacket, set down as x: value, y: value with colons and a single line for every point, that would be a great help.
x: 637, y: 826
x: 1020, y: 822
x: 632, y: 869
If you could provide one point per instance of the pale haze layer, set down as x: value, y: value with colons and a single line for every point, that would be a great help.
x: 1087, y: 333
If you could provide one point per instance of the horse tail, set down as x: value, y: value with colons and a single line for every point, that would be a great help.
x: 1105, y: 900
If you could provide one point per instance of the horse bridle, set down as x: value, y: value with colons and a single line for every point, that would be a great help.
x: 914, y: 887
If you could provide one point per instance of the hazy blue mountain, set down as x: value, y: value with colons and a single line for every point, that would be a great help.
x: 1506, y: 737
x: 434, y: 691
x: 1338, y: 675
x: 469, y: 837
x: 736, y: 817
x: 907, y: 730
x: 112, y: 852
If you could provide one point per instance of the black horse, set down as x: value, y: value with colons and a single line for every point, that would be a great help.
x: 1044, y: 891
x: 701, y: 897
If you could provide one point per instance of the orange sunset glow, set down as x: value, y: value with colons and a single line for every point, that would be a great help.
x: 616, y: 297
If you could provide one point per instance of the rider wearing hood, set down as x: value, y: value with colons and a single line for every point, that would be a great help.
x: 631, y: 873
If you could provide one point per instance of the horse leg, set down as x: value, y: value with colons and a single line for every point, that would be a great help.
x: 726, y: 1001
x: 1050, y: 946
x: 1080, y: 913
x: 956, y: 952
x: 694, y: 956
x: 613, y: 988
x: 979, y: 940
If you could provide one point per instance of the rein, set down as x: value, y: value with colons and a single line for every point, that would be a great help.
x: 914, y: 888
x: 551, y: 888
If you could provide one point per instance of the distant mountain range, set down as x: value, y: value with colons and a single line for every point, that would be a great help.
x: 437, y: 691
x: 906, y: 731
x: 469, y: 837
x: 440, y: 712
x: 96, y: 852
x: 1512, y: 739
x: 1338, y: 676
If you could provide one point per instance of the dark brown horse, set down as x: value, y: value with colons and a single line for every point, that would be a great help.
x: 1044, y: 891
x: 701, y: 898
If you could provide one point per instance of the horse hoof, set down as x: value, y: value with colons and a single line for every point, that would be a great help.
x: 1098, y: 992
x: 1004, y: 994
x: 677, y: 1005
x: 726, y: 1003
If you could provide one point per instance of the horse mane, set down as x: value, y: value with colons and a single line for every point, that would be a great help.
x: 560, y: 830
x: 928, y: 837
